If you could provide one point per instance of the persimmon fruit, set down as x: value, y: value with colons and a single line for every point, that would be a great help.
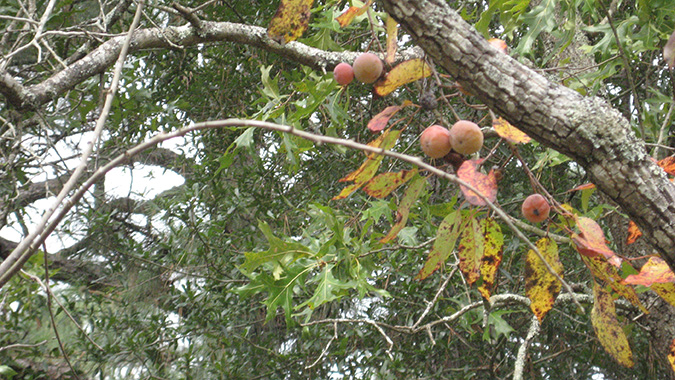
x: 435, y: 141
x: 343, y: 73
x: 368, y: 68
x: 466, y: 137
x: 535, y: 208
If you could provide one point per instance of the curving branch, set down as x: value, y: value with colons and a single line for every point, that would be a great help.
x: 105, y: 55
x: 586, y: 129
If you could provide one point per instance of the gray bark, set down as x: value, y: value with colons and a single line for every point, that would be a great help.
x: 586, y: 129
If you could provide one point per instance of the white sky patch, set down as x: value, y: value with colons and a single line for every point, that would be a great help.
x: 141, y: 182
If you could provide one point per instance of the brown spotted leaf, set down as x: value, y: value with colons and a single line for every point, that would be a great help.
x: 634, y: 232
x: 665, y: 291
x: 607, y: 327
x: 349, y: 15
x: 290, y: 21
x: 369, y: 167
x: 383, y: 184
x: 404, y: 73
x: 417, y: 184
x: 470, y: 250
x: 392, y: 40
x: 608, y: 274
x: 671, y: 355
x: 446, y: 238
x: 541, y: 286
x: 655, y: 271
x: 380, y: 120
x: 591, y: 241
x: 508, y: 132
x: 493, y: 247
x: 485, y: 184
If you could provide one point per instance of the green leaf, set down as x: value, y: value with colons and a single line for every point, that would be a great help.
x: 328, y: 289
x: 446, y: 238
x: 280, y: 252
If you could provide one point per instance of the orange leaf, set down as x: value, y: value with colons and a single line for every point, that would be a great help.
x: 417, y: 184
x: 347, y: 17
x: 541, y: 286
x: 383, y: 184
x: 591, y: 241
x: 607, y: 327
x: 654, y: 271
x: 369, y: 167
x: 290, y: 21
x: 633, y: 232
x: 392, y: 40
x: 405, y: 72
x: 499, y: 44
x: 380, y: 120
x: 671, y: 355
x: 446, y: 237
x: 470, y: 250
x: 582, y: 187
x: 668, y: 165
x: 508, y: 132
x: 485, y: 184
x: 493, y: 246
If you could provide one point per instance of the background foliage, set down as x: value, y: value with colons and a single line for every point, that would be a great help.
x: 246, y: 268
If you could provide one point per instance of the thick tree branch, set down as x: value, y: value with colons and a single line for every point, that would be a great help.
x: 584, y: 128
x: 105, y: 55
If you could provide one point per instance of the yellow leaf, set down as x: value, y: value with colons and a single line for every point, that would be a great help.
x: 541, y: 286
x: 493, y: 246
x: 510, y: 133
x: 392, y: 40
x: 607, y: 327
x: 607, y: 273
x: 383, y: 184
x: 403, y: 73
x: 290, y: 21
x: 671, y: 355
x: 349, y: 15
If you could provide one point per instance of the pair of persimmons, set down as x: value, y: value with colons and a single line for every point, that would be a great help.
x: 465, y: 137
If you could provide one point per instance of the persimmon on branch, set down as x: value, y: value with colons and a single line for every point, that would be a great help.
x: 586, y: 129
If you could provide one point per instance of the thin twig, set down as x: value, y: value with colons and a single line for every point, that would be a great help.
x: 12, y: 260
x: 433, y: 302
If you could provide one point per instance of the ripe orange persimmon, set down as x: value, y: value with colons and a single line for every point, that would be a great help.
x: 435, y: 141
x: 535, y: 208
x: 368, y: 68
x: 343, y: 73
x: 466, y: 137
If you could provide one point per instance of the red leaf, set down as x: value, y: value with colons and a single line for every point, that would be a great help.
x: 380, y: 120
x: 654, y: 271
x: 591, y: 241
x: 485, y: 184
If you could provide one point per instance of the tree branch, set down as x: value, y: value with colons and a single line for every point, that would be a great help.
x: 167, y: 38
x: 586, y: 129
